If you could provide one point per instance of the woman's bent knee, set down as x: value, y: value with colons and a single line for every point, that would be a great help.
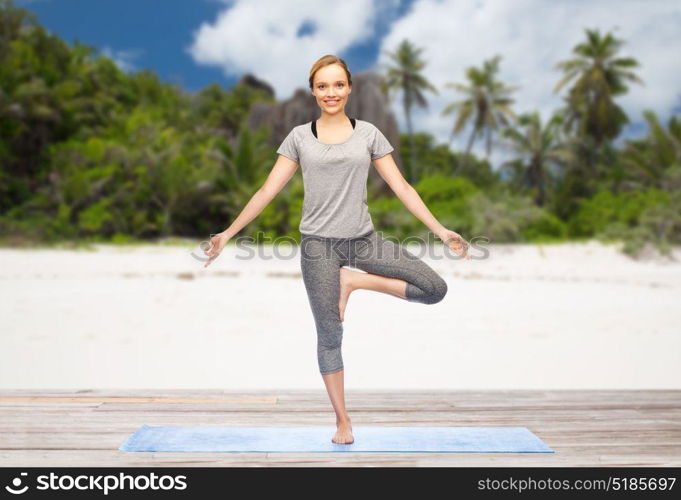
x: 438, y: 293
x: 430, y: 293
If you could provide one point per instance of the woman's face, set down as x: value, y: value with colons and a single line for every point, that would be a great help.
x: 331, y: 88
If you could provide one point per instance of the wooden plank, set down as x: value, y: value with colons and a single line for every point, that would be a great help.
x: 585, y: 428
x: 21, y: 458
x: 149, y: 399
x: 97, y: 440
x: 576, y: 421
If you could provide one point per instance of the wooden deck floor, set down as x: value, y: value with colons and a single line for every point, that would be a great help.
x: 584, y: 428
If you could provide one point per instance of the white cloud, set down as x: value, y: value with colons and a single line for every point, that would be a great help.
x: 123, y: 58
x: 532, y: 36
x: 279, y: 41
x: 263, y: 37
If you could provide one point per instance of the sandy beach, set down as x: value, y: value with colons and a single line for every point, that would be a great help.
x: 568, y: 316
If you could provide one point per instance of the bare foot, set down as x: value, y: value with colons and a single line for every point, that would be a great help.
x: 343, y: 433
x: 345, y: 290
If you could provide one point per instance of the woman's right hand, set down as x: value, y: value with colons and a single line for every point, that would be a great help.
x: 217, y: 243
x: 456, y: 243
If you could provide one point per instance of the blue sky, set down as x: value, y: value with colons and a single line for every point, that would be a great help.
x: 196, y: 42
x: 137, y: 33
x: 157, y: 34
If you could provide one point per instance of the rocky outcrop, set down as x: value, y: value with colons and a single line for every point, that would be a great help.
x: 256, y: 83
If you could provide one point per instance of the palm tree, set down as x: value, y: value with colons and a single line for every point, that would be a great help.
x: 487, y: 103
x: 244, y: 161
x: 538, y: 145
x: 405, y: 76
x: 656, y: 159
x: 590, y: 109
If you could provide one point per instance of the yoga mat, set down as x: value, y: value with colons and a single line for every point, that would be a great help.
x: 318, y: 439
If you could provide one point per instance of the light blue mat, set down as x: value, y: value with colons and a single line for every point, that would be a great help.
x: 318, y: 439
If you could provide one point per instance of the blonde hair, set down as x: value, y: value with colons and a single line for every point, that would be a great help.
x: 326, y: 61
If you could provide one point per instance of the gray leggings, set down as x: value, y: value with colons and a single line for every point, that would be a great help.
x: 320, y: 262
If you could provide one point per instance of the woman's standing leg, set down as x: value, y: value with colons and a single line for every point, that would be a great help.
x: 321, y: 260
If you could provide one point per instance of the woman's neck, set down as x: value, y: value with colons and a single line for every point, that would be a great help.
x: 327, y: 120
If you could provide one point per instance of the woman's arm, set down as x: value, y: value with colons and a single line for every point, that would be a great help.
x: 388, y: 170
x: 281, y: 173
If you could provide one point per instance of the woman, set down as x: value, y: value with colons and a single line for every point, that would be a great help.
x: 335, y: 153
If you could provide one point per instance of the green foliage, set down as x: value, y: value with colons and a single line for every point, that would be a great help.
x: 448, y: 198
x: 390, y: 212
x: 439, y: 188
x: 607, y: 208
x: 638, y: 219
x: 94, y: 217
x: 440, y: 160
x: 91, y: 153
x: 545, y: 227
x: 502, y: 216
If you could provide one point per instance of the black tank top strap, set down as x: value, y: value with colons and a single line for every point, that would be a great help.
x: 313, y: 125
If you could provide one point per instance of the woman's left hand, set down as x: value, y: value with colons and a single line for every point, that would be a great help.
x: 455, y: 242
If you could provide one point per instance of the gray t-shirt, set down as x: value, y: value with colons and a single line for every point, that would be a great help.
x: 335, y: 178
